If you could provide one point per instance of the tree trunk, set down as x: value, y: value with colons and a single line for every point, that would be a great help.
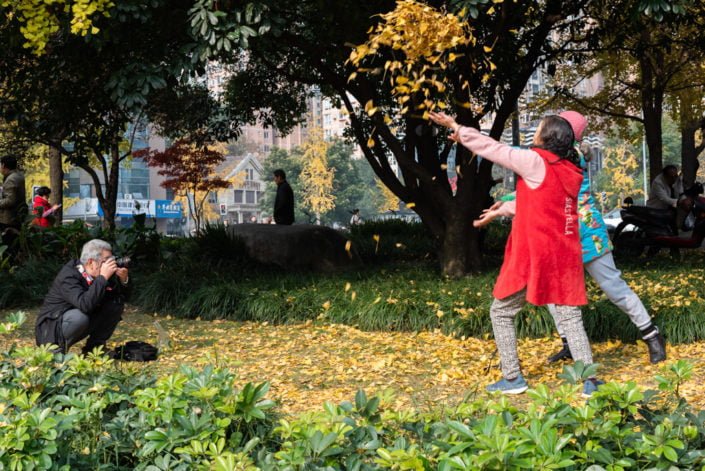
x: 454, y: 250
x: 690, y: 151
x: 652, y: 93
x: 56, y: 182
x: 111, y: 188
x: 654, y: 141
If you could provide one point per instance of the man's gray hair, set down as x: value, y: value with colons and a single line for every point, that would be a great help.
x: 93, y: 250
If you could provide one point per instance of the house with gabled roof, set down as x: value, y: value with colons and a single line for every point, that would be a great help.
x: 240, y: 203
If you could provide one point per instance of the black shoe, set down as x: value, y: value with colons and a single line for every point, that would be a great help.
x: 563, y: 354
x: 657, y: 348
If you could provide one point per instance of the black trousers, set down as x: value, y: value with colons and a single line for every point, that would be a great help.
x: 98, y: 327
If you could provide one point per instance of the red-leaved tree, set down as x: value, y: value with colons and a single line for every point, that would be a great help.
x: 190, y: 172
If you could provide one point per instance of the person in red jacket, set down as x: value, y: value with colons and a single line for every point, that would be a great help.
x: 543, y: 257
x: 42, y: 209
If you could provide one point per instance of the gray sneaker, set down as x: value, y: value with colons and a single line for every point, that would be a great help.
x: 505, y: 386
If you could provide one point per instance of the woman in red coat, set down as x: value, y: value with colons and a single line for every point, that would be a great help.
x: 543, y: 256
x: 41, y: 207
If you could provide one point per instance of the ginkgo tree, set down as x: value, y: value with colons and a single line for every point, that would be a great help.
x: 316, y: 176
x: 619, y: 176
x: 649, y: 65
x: 387, y: 63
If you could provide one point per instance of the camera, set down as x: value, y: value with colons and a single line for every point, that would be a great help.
x: 122, y: 262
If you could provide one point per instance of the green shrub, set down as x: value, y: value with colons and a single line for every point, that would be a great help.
x: 26, y: 284
x: 392, y: 239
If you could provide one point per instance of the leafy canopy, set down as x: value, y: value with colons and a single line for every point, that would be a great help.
x: 41, y: 19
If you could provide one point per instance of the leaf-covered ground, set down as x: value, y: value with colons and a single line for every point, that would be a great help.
x: 308, y: 364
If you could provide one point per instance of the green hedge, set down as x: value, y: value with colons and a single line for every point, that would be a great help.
x: 87, y: 413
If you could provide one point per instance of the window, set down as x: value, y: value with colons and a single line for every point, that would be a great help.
x: 212, y: 196
x: 266, y: 148
x: 134, y: 179
x: 237, y: 198
x: 74, y: 186
x: 85, y: 190
x: 170, y: 195
x: 266, y: 134
x: 249, y: 174
x: 250, y: 197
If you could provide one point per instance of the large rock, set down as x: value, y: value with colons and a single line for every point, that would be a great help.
x: 301, y: 246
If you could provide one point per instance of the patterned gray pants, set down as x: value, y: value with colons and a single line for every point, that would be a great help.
x: 503, y: 312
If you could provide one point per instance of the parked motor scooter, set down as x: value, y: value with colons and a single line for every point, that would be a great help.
x: 649, y: 225
x: 697, y: 236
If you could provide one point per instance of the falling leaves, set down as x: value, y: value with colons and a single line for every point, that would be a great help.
x: 425, y: 42
x: 375, y: 237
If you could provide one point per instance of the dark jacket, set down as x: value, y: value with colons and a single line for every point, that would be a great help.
x: 70, y: 290
x: 284, y: 204
x: 13, y: 204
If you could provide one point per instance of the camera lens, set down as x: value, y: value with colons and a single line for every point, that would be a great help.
x: 122, y: 262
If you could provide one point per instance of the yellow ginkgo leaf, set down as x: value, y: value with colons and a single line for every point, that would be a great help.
x: 326, y: 305
x: 347, y: 286
x: 410, y: 204
x: 487, y: 48
x: 370, y: 142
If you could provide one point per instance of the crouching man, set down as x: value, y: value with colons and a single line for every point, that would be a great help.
x: 85, y: 300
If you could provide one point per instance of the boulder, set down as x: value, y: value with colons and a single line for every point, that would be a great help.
x: 301, y: 246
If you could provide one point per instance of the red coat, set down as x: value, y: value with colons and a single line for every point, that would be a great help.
x: 543, y: 252
x: 41, y: 202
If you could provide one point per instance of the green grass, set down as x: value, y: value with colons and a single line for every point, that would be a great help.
x: 212, y: 278
x: 414, y: 297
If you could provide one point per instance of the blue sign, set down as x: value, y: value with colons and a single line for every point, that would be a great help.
x: 160, y: 209
x: 168, y: 209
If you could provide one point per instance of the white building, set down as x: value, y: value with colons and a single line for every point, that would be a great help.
x: 240, y: 203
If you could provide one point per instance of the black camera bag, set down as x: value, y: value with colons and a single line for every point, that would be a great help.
x: 135, y: 350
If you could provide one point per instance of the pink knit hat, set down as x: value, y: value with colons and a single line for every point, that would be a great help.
x: 577, y: 121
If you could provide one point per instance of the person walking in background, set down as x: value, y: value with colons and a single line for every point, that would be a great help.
x: 597, y: 258
x: 13, y: 199
x: 42, y: 209
x: 284, y: 202
x: 542, y: 260
x: 355, y: 219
